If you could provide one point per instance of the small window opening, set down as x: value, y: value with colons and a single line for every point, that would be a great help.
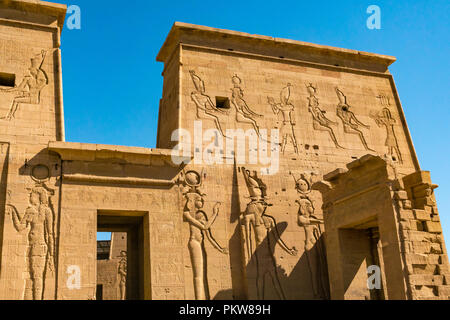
x: 222, y: 103
x: 7, y: 80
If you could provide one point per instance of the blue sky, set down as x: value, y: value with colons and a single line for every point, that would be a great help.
x: 112, y: 83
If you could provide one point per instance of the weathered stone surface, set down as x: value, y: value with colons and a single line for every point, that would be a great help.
x: 222, y: 225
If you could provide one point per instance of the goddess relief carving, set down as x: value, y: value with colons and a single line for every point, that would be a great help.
x: 29, y: 90
x: 122, y: 271
x: 200, y: 228
x: 38, y: 220
x: 314, y: 246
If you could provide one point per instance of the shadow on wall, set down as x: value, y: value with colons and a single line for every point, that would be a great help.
x: 3, y: 192
x: 257, y: 234
x: 267, y: 280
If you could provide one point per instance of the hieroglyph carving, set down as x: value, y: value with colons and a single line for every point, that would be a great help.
x: 287, y: 110
x: 255, y: 222
x: 384, y: 100
x: 29, y: 90
x: 199, y: 226
x: 313, y: 226
x: 243, y: 112
x: 349, y: 120
x: 320, y: 121
x: 122, y: 271
x: 206, y: 109
x: 38, y: 220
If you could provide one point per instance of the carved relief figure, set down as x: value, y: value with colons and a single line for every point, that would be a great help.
x: 384, y: 118
x: 200, y: 227
x: 349, y: 120
x: 206, y: 109
x: 314, y: 247
x: 243, y: 112
x: 122, y: 270
x: 29, y: 90
x: 287, y: 110
x: 38, y: 220
x: 320, y: 121
x: 384, y: 100
x: 256, y: 222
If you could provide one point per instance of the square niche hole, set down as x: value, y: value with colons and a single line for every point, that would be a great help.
x: 222, y: 103
x: 7, y: 79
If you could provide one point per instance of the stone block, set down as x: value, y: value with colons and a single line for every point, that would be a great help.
x: 406, y: 215
x: 426, y: 279
x: 433, y: 227
x: 400, y: 195
x: 443, y: 290
x: 407, y: 204
x: 421, y: 215
x: 443, y: 269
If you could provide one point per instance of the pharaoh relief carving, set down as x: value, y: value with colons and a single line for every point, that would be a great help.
x: 258, y: 225
x: 243, y: 112
x: 313, y: 226
x: 29, y: 90
x: 320, y: 121
x: 39, y: 222
x: 122, y: 272
x: 206, y: 109
x: 351, y: 123
x: 384, y: 118
x: 200, y: 228
x: 286, y: 108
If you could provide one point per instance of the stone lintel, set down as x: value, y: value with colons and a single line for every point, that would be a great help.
x: 71, y: 151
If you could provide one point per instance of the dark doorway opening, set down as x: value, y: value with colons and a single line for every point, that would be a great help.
x: 122, y: 273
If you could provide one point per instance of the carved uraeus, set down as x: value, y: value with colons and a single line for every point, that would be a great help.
x: 258, y: 225
x: 200, y: 228
x: 29, y: 90
x: 243, y: 112
x: 286, y: 109
x: 320, y: 121
x: 351, y: 123
x: 39, y: 221
x: 313, y: 225
x: 206, y: 109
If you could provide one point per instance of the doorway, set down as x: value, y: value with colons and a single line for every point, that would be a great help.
x: 120, y: 261
x: 362, y: 256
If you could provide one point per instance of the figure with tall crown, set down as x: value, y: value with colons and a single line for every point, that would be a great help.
x: 320, y: 121
x: 349, y: 120
x: 29, y: 90
x: 206, y: 109
x: 286, y: 108
x: 257, y: 224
